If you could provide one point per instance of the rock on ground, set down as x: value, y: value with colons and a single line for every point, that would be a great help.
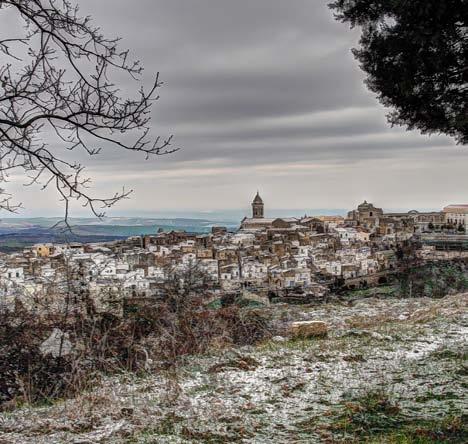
x: 308, y: 329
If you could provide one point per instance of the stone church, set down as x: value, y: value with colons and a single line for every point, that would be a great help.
x: 258, y: 219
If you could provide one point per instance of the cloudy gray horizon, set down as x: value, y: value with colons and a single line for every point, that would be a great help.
x: 266, y: 95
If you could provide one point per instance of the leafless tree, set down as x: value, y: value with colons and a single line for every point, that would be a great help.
x: 56, y: 79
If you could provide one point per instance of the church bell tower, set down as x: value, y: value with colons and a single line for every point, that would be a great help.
x: 257, y: 207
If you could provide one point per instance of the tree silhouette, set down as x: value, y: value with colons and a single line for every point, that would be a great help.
x: 415, y: 55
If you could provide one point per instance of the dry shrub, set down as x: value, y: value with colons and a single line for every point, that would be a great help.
x: 150, y: 334
x: 166, y: 331
x: 26, y: 375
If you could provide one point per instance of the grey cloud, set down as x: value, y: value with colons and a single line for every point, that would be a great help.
x: 259, y: 93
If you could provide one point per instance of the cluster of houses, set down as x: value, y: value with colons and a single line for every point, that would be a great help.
x: 265, y: 255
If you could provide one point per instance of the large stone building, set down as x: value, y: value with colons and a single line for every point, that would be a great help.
x: 366, y: 215
x: 456, y: 215
x: 422, y: 221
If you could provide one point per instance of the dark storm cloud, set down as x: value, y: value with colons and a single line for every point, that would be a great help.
x: 256, y: 90
x: 226, y: 60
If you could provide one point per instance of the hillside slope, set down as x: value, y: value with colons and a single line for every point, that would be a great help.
x: 391, y: 370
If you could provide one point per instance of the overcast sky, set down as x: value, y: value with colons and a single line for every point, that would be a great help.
x: 261, y: 94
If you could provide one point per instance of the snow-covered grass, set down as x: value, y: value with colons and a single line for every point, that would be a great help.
x: 412, y: 351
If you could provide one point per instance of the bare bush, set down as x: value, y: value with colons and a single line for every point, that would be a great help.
x: 151, y: 335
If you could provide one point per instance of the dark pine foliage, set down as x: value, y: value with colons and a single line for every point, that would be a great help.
x: 415, y: 54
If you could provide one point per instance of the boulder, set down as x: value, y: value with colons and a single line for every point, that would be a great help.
x: 57, y: 344
x: 308, y: 329
x: 278, y: 339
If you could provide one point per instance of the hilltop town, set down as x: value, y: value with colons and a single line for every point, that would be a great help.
x: 266, y: 259
x: 285, y: 327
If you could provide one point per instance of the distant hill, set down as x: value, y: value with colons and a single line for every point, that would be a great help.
x: 12, y: 242
x: 17, y: 233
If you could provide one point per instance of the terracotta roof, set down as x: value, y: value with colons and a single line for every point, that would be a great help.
x: 288, y: 219
x: 259, y: 220
x: 462, y: 207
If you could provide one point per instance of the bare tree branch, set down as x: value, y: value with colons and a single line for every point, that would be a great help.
x: 57, y: 80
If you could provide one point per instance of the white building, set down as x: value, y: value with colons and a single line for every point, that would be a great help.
x: 157, y: 273
x: 346, y: 235
x: 456, y: 215
x: 243, y: 239
x: 210, y: 267
x: 47, y: 272
x: 253, y: 269
x: 15, y: 275
x: 333, y: 268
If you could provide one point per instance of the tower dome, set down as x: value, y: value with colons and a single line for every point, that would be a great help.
x: 364, y: 206
x: 257, y: 199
